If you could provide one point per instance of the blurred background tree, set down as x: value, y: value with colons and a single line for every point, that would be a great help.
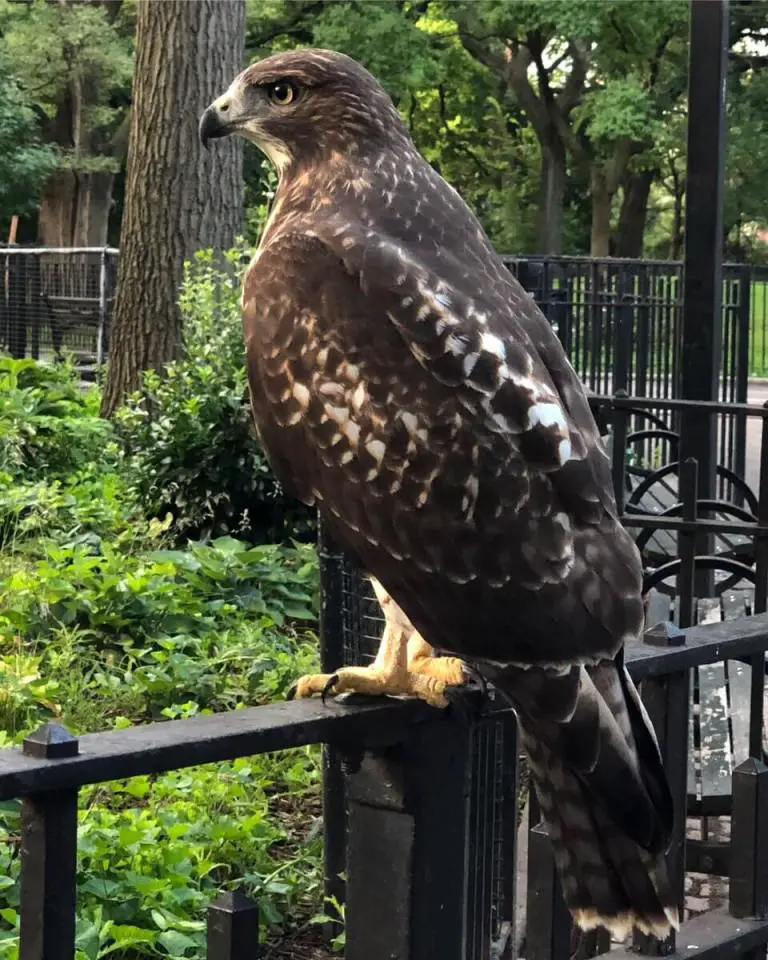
x: 560, y: 121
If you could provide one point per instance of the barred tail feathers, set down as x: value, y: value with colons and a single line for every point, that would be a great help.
x: 603, y: 793
x: 607, y: 879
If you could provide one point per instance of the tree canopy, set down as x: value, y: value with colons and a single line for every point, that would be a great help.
x: 562, y: 122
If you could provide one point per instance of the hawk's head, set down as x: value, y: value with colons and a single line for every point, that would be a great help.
x: 304, y: 105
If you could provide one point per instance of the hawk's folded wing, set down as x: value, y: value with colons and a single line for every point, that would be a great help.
x: 379, y: 386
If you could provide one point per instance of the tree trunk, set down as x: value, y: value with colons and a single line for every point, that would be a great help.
x: 600, y: 239
x: 549, y: 230
x: 74, y: 209
x: 179, y: 198
x: 634, y: 213
x: 677, y: 238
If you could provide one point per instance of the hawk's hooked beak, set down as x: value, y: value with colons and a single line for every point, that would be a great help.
x: 216, y: 121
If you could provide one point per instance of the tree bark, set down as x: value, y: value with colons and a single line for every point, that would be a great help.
x: 630, y: 232
x: 75, y: 203
x: 179, y: 198
x: 606, y: 176
x: 548, y: 111
x: 678, y: 237
x: 74, y: 209
x: 550, y: 220
x: 602, y: 198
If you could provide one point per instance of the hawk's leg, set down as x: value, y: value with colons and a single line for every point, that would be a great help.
x: 404, y: 665
x: 422, y: 659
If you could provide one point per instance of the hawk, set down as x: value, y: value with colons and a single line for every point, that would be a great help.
x: 404, y: 382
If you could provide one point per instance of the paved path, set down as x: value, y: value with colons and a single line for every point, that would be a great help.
x: 757, y: 396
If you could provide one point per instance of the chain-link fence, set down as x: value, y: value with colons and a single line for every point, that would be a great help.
x: 57, y: 300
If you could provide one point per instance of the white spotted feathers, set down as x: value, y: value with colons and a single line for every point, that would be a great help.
x: 452, y: 338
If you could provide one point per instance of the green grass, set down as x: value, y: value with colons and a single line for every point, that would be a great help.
x: 758, y: 330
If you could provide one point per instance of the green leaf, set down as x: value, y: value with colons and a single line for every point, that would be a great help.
x: 126, y: 935
x: 176, y: 943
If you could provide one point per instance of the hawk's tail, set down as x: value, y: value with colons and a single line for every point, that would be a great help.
x: 603, y: 794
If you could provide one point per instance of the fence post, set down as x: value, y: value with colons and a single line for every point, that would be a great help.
x: 233, y: 928
x: 749, y: 841
x: 102, y: 306
x: 549, y: 925
x: 332, y: 658
x: 407, y: 852
x: 622, y: 370
x: 48, y: 858
x: 17, y: 306
x: 510, y: 752
x: 646, y: 361
x: 36, y: 307
x: 667, y: 701
x: 620, y: 431
x: 741, y: 373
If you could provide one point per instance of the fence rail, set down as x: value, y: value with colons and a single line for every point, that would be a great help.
x: 408, y: 829
x: 55, y: 299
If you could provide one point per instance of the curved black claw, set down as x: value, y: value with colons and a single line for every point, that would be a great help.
x: 468, y: 702
x: 474, y: 674
x: 330, y: 684
x: 291, y: 692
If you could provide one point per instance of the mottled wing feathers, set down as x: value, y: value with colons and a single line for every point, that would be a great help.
x: 452, y: 336
x: 489, y: 341
x: 365, y: 412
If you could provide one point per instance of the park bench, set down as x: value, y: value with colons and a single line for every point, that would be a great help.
x: 718, y: 731
x: 720, y: 693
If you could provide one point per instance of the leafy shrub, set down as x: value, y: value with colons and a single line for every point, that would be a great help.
x: 188, y: 440
x: 153, y: 852
x: 102, y: 626
x: 116, y: 638
x: 49, y: 426
x: 133, y: 598
x: 84, y: 512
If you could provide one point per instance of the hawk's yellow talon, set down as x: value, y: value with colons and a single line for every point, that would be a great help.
x: 405, y: 666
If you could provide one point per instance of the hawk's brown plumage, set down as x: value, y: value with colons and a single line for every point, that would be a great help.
x: 404, y: 382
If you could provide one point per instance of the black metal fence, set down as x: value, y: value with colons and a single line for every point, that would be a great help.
x: 55, y: 299
x: 620, y: 322
x: 420, y: 805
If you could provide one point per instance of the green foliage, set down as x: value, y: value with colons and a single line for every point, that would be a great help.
x: 123, y: 600
x: 101, y: 626
x: 620, y: 109
x: 76, y: 51
x: 25, y: 163
x: 153, y: 852
x: 188, y: 443
x: 48, y: 426
x: 389, y: 44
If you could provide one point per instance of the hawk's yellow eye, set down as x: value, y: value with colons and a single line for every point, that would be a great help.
x: 282, y: 93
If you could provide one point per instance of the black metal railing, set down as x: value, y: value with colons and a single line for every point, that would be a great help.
x: 56, y: 299
x: 409, y: 832
x: 620, y: 322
